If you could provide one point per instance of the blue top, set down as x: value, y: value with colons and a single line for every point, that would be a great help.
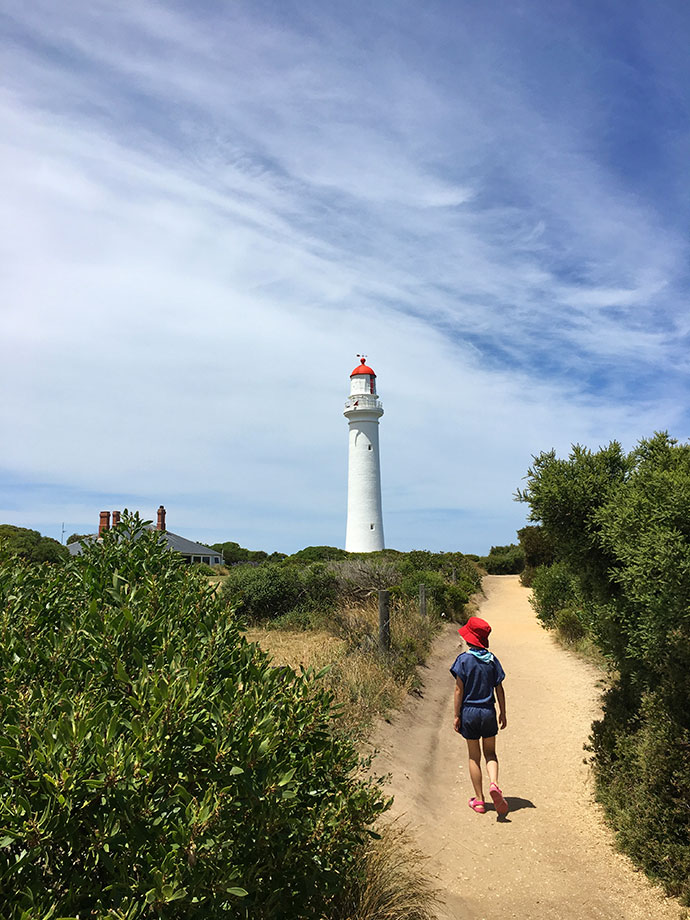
x: 478, y: 678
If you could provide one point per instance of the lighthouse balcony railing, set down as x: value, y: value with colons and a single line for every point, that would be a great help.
x: 364, y: 402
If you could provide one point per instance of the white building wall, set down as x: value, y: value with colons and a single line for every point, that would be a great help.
x: 364, y: 510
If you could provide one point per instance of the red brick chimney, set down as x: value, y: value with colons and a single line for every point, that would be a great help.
x: 116, y: 518
x: 104, y: 523
x: 161, y: 519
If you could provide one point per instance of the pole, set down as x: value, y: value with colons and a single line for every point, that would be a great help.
x: 384, y: 622
x: 454, y: 576
x: 422, y: 600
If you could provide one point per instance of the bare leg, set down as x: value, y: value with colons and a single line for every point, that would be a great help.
x: 475, y: 753
x: 489, y: 745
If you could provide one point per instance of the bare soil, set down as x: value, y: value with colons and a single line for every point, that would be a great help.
x: 552, y: 858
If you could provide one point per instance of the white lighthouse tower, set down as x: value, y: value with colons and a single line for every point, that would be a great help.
x: 364, y: 516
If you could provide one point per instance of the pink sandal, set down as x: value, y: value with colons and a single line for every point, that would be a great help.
x: 476, y: 805
x: 502, y: 807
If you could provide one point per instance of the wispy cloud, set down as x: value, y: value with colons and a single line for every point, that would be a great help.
x: 211, y: 210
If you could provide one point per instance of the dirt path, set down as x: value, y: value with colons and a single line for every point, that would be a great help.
x: 553, y: 859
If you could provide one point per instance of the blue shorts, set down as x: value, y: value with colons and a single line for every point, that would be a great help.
x: 477, y: 722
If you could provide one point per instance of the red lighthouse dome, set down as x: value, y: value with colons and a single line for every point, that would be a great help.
x: 362, y: 369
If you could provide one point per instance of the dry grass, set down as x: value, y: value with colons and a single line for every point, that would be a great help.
x: 217, y: 580
x: 390, y: 878
x: 366, y: 683
x: 393, y: 881
x: 307, y: 649
x: 358, y: 679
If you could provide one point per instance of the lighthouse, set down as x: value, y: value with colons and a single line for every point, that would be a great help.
x: 363, y: 411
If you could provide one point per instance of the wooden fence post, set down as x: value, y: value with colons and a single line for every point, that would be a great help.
x: 422, y: 600
x: 384, y: 622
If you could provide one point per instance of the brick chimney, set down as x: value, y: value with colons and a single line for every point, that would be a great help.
x: 116, y: 518
x: 104, y: 523
x: 161, y: 519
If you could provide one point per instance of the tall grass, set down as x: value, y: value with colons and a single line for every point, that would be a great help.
x: 365, y: 683
x: 392, y: 881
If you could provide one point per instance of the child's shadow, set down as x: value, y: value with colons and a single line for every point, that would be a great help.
x: 515, y: 804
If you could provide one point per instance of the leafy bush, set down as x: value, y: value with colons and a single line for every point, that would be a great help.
x: 504, y: 560
x: 554, y: 588
x: 204, y: 568
x: 273, y: 590
x: 569, y: 624
x: 621, y: 526
x: 291, y: 592
x: 153, y: 762
x: 537, y: 545
x: 30, y: 545
x: 447, y: 599
x: 539, y: 550
x: 319, y: 554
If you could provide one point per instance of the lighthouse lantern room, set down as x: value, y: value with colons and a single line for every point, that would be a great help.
x: 364, y: 514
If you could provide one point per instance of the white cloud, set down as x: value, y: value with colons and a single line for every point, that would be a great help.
x: 197, y: 244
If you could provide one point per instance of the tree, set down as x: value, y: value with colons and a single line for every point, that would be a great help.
x: 538, y: 547
x: 77, y: 537
x: 29, y: 544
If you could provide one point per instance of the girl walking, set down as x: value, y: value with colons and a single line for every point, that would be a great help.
x: 478, y: 673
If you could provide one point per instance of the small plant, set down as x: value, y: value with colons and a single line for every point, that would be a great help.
x: 569, y: 624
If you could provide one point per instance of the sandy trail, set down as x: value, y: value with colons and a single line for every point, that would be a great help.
x: 552, y: 858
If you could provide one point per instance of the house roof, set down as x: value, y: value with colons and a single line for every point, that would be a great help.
x: 175, y: 542
x: 187, y: 547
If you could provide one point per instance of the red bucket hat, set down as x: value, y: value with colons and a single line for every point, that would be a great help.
x: 476, y: 632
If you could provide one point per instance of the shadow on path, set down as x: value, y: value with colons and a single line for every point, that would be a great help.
x: 515, y: 804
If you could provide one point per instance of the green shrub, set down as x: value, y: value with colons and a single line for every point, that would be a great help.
x: 620, y: 523
x: 446, y: 598
x: 527, y: 576
x: 153, y: 763
x: 538, y: 547
x: 504, y: 560
x: 272, y: 590
x: 319, y: 554
x: 569, y: 624
x: 203, y: 568
x: 554, y: 589
x: 643, y: 778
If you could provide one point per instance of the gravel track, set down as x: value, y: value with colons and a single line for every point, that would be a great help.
x: 553, y: 857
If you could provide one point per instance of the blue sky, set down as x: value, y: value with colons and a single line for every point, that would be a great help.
x: 210, y: 209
